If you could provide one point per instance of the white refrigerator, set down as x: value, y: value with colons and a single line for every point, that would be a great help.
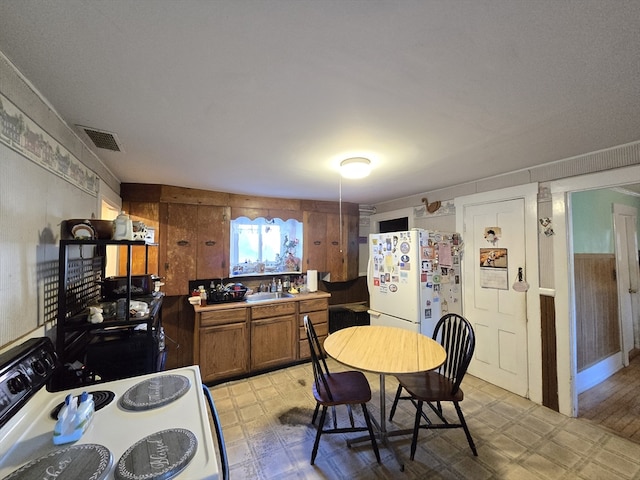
x: 414, y: 278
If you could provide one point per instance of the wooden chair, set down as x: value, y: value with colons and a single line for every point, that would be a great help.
x: 333, y: 389
x: 456, y: 335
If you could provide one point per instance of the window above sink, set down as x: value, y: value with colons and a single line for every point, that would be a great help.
x: 265, y: 246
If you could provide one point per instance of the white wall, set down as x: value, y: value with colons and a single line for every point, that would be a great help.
x: 33, y: 202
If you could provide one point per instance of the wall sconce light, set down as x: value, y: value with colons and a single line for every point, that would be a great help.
x: 356, y: 167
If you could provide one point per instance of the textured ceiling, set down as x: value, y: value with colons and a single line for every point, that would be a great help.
x: 265, y: 97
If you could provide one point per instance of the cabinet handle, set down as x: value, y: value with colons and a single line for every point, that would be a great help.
x: 209, y: 243
x: 334, y: 243
x: 182, y: 243
x: 317, y: 242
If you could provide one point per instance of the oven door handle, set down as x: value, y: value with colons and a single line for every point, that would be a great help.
x: 224, y: 461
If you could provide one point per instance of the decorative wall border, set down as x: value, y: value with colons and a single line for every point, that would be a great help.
x: 447, y: 208
x: 23, y: 135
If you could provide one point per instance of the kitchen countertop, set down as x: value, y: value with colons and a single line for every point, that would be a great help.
x: 244, y: 304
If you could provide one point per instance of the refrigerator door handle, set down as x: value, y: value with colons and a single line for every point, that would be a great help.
x: 369, y: 275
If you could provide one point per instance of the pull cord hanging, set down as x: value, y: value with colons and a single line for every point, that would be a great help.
x: 340, y: 211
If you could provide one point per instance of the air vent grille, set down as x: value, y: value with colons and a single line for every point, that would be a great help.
x: 102, y: 139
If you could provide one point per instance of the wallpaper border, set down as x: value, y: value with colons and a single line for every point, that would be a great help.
x: 21, y: 134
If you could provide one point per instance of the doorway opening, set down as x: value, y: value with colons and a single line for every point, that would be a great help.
x: 605, y: 259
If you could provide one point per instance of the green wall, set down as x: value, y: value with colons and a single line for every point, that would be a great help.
x: 592, y: 215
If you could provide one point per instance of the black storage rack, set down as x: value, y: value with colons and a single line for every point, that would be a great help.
x: 80, y: 284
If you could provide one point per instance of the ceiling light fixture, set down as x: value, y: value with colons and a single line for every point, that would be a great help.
x: 356, y: 167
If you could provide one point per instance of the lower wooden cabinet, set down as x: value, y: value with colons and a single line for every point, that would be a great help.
x: 273, y: 330
x: 273, y: 342
x: 318, y: 312
x: 222, y: 349
x: 232, y: 342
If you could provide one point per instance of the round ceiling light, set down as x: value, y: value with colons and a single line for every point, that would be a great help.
x: 356, y: 167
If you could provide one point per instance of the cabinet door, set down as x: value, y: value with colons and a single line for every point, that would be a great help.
x: 224, y: 351
x: 342, y: 251
x: 335, y: 249
x: 352, y: 250
x: 315, y: 241
x: 180, y: 249
x: 273, y: 342
x: 213, y: 240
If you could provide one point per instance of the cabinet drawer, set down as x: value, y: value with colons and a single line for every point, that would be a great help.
x: 322, y: 329
x: 220, y: 317
x: 316, y: 317
x: 273, y: 310
x: 315, y: 304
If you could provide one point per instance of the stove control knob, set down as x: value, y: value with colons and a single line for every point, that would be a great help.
x: 18, y: 383
x: 40, y: 366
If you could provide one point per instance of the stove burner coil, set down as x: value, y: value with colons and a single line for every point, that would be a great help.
x: 101, y: 398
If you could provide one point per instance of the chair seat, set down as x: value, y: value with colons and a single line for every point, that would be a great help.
x: 346, y: 388
x: 430, y: 387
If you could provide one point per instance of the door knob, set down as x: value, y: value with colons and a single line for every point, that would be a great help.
x: 633, y: 290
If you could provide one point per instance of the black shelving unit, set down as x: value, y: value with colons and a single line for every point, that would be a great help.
x: 114, y: 348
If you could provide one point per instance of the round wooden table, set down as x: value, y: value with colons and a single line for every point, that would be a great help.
x: 386, y: 351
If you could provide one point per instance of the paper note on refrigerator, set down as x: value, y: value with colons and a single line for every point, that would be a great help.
x: 445, y: 258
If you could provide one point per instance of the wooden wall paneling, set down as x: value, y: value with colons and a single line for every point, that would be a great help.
x: 597, y: 327
x: 246, y: 201
x: 351, y: 291
x: 171, y: 325
x: 549, y: 354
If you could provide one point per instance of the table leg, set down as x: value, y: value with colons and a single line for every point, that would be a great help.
x: 381, y: 434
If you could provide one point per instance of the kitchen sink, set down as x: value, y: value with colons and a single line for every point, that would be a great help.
x: 262, y: 296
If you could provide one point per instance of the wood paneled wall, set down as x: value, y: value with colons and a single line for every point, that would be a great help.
x: 549, y: 354
x: 597, y: 326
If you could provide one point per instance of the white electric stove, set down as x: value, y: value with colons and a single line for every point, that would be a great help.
x: 152, y: 426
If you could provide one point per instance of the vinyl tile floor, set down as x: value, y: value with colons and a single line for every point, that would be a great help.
x: 266, y: 421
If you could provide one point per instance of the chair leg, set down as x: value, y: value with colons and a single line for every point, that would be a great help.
x: 416, y: 429
x: 351, y: 416
x: 395, y: 403
x: 315, y: 414
x: 365, y: 412
x: 466, y: 429
x: 320, y: 427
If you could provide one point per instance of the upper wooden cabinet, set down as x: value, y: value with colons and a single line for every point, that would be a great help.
x: 342, y: 251
x: 193, y: 244
x: 315, y: 241
x: 329, y: 248
x: 192, y: 231
x: 212, y: 242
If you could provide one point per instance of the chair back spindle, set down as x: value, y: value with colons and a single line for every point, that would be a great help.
x: 456, y: 336
x: 320, y: 369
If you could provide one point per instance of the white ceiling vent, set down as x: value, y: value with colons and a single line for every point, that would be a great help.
x: 103, y: 139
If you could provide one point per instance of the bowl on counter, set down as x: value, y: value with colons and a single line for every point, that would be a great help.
x: 89, y: 229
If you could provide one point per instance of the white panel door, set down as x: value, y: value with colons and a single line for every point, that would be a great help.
x: 624, y: 224
x: 497, y: 312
